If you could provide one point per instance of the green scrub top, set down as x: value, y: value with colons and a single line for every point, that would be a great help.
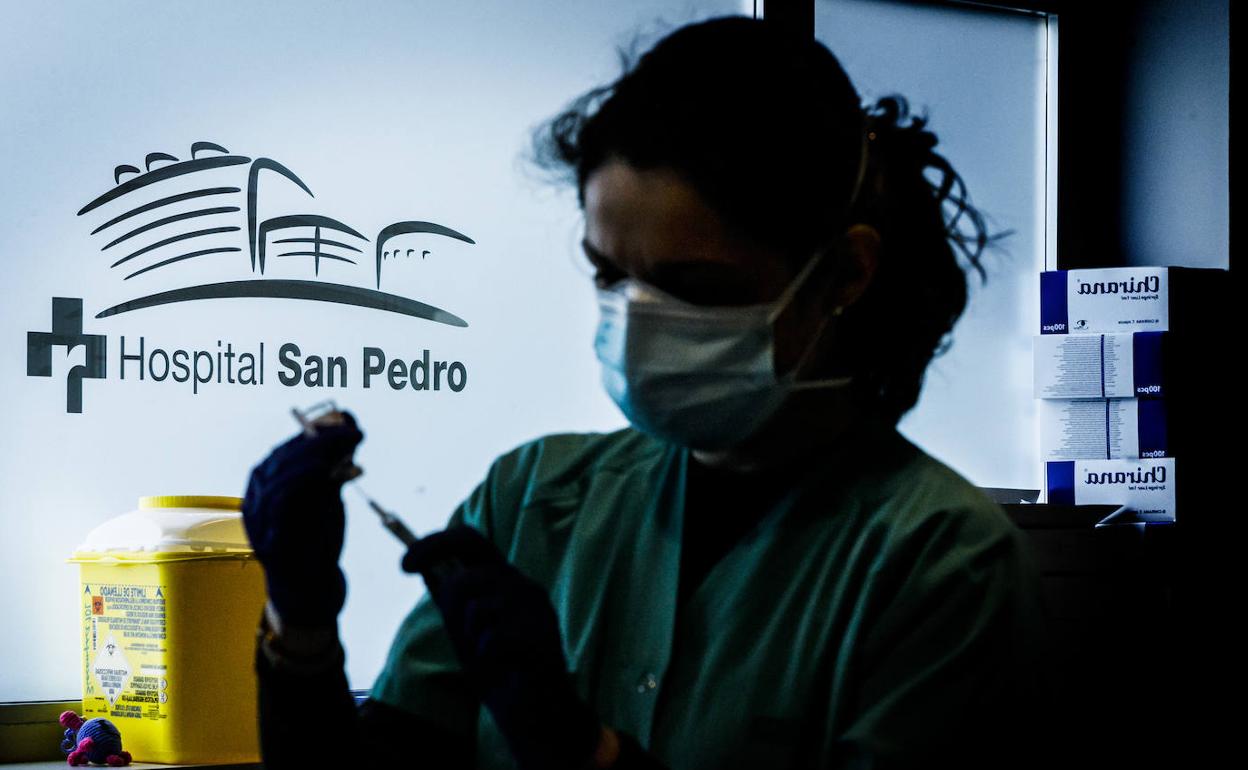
x: 880, y: 606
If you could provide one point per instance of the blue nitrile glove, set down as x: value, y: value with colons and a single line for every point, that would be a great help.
x: 295, y: 521
x: 506, y: 634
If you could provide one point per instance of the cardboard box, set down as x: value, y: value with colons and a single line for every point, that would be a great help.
x: 1120, y: 300
x: 1145, y: 486
x: 1103, y: 429
x: 1100, y: 365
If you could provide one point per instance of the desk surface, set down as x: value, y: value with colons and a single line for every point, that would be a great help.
x: 59, y: 764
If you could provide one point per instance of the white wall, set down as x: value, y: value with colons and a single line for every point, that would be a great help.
x: 389, y: 111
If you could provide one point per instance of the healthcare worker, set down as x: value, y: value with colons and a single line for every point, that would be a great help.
x: 760, y: 572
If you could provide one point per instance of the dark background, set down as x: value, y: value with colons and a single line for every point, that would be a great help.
x: 1144, y: 625
x: 1106, y: 53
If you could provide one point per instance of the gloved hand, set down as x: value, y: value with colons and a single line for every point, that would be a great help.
x: 295, y: 522
x: 506, y: 634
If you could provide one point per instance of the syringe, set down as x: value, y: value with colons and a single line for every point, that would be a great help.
x: 326, y: 413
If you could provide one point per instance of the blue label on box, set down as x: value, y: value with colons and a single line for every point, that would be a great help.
x: 1146, y: 357
x: 1152, y: 428
x: 1061, y: 482
x: 1054, y: 316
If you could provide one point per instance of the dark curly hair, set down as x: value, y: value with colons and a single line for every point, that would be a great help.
x: 771, y: 134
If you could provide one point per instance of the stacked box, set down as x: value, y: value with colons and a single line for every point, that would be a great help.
x: 1121, y: 300
x: 1121, y: 352
x: 1082, y: 366
x: 1104, y: 429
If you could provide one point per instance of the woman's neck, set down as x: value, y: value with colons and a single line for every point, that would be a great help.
x: 808, y: 423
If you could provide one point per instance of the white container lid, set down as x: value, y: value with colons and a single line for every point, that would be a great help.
x: 173, y: 524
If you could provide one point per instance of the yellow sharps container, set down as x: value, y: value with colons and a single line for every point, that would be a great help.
x: 171, y: 595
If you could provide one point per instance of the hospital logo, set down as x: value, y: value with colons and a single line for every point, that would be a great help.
x: 180, y: 217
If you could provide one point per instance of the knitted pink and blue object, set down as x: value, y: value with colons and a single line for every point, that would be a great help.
x: 94, y: 741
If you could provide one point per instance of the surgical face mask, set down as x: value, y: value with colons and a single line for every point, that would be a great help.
x: 702, y: 377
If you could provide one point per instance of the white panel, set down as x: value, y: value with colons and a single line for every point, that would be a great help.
x: 389, y: 112
x: 1176, y: 143
x: 981, y: 77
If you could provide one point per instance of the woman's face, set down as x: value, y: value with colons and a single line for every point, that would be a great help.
x: 654, y: 226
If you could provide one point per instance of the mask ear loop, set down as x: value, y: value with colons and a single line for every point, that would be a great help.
x: 790, y: 291
x: 795, y: 285
x: 866, y: 134
x: 832, y: 382
x: 805, y: 272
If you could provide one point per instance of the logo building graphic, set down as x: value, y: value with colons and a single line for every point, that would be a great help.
x: 207, y: 209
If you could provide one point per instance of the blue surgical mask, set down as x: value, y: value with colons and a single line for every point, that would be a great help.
x: 703, y: 377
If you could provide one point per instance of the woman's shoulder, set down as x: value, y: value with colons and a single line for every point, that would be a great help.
x: 563, y: 465
x: 565, y: 456
x: 917, y: 496
x: 541, y: 482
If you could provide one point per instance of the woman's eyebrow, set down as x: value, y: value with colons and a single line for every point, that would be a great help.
x: 681, y: 274
x: 668, y: 267
x: 720, y: 272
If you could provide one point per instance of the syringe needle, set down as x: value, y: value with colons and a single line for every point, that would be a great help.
x: 395, y: 525
x: 389, y: 520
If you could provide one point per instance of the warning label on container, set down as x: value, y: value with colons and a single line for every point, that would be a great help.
x: 110, y: 669
x: 136, y: 611
x: 125, y: 642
